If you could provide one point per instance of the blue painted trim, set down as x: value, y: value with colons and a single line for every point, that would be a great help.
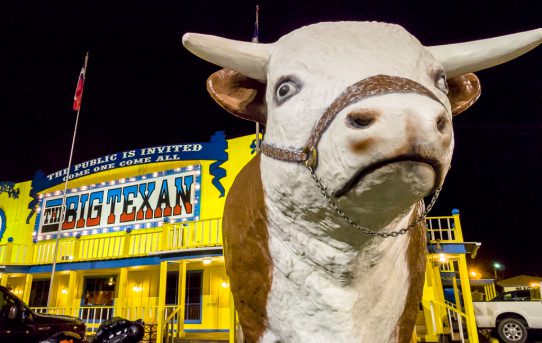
x: 53, y: 202
x: 447, y: 248
x: 216, y: 253
x: 141, y: 261
x: 193, y: 321
x: 2, y: 223
x: 126, y: 262
x: 449, y: 274
x: 17, y: 269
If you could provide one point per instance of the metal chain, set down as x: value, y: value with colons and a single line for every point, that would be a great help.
x: 365, y: 230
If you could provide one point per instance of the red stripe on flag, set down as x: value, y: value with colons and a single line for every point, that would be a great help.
x: 79, y: 91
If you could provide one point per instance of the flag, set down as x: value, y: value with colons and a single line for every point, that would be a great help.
x: 255, y: 36
x: 79, y: 91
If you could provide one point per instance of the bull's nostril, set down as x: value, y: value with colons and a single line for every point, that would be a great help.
x: 442, y: 123
x: 361, y: 119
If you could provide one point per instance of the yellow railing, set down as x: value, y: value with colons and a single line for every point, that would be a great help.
x: 196, y: 234
x: 453, y: 321
x: 444, y: 229
x: 93, y: 316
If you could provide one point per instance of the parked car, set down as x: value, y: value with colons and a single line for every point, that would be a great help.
x: 511, y: 314
x: 19, y: 324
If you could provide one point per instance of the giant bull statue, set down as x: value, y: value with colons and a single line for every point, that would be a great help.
x: 324, y: 232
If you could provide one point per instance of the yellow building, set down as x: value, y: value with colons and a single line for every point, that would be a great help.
x: 135, y: 222
x: 142, y: 238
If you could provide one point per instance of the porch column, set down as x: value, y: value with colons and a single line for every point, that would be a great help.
x: 4, y: 280
x: 181, y: 296
x: 120, y: 308
x: 27, y: 288
x: 160, y: 321
x: 427, y: 300
x: 467, y: 299
x: 72, y: 291
x: 232, y: 320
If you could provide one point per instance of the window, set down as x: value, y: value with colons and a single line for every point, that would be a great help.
x: 521, y: 295
x: 39, y: 293
x: 172, y: 290
x: 99, y: 292
x: 194, y: 289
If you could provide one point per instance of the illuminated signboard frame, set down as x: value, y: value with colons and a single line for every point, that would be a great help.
x: 46, y: 199
x: 2, y: 223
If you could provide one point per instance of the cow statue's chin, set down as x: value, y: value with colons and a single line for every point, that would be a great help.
x: 392, y: 188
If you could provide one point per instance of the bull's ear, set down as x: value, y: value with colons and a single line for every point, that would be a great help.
x: 241, y: 96
x: 464, y: 90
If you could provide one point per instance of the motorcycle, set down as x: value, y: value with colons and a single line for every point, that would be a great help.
x: 120, y: 330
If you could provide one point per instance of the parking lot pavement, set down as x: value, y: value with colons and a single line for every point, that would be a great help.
x: 535, y: 336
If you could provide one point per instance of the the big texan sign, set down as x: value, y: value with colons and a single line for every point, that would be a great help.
x: 143, y: 201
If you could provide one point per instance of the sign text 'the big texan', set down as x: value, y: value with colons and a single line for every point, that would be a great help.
x: 143, y: 201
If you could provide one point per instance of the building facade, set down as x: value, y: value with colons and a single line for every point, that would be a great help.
x: 142, y: 239
x: 141, y: 236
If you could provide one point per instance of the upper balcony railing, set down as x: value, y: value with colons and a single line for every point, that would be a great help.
x: 170, y: 237
x: 445, y: 229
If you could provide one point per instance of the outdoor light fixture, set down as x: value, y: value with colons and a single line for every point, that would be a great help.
x: 497, y: 267
x: 137, y: 289
x: 64, y: 291
x: 225, y: 284
x: 207, y: 260
x: 442, y: 258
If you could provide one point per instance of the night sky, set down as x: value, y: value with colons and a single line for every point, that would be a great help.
x: 143, y: 89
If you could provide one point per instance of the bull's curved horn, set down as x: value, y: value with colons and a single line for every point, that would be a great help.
x: 462, y: 58
x: 249, y: 59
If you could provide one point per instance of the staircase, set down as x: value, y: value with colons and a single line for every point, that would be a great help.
x: 445, y: 336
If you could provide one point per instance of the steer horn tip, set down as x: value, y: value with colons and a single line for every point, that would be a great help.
x: 186, y: 38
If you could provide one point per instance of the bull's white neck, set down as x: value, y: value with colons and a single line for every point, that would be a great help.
x: 329, y: 286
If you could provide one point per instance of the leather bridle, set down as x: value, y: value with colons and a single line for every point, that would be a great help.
x: 370, y: 87
x: 377, y: 85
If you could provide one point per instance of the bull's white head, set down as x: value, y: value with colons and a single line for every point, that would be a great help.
x: 378, y: 152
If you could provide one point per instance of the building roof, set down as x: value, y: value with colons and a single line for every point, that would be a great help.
x: 520, y: 280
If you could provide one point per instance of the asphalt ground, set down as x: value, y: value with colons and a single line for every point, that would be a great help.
x: 535, y: 336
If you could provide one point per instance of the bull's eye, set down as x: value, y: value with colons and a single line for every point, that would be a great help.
x: 285, y: 90
x: 441, y: 83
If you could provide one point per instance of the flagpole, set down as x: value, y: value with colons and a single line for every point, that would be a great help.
x: 255, y: 39
x: 63, y: 208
